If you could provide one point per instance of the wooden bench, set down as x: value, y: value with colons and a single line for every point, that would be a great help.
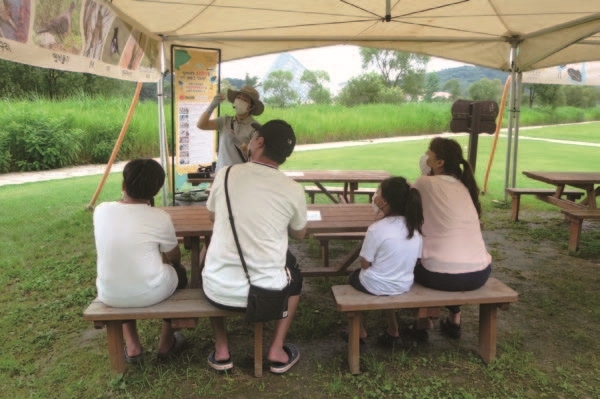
x: 576, y: 217
x: 312, y: 190
x: 324, y: 239
x: 494, y: 294
x: 516, y: 193
x: 183, y: 308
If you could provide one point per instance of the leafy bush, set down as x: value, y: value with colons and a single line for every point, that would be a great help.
x: 363, y: 89
x: 4, y: 153
x: 40, y: 143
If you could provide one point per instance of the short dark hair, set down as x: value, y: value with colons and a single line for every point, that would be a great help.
x: 143, y: 178
x: 279, y: 137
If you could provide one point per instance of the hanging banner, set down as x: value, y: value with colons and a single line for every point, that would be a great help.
x: 584, y: 74
x: 195, y: 83
x: 77, y: 36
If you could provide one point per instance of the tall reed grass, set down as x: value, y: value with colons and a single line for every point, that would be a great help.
x: 96, y: 122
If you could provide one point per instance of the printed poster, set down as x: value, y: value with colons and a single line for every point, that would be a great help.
x: 77, y: 36
x: 584, y: 74
x: 195, y: 83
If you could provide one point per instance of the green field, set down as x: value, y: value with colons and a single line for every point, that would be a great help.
x: 92, y: 126
x: 547, y: 343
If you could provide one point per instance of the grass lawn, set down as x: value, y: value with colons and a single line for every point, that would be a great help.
x: 547, y: 342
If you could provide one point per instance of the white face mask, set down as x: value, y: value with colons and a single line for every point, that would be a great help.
x: 425, y: 169
x: 374, y: 205
x: 241, y: 107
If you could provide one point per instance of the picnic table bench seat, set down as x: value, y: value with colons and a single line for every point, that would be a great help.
x: 516, y: 193
x: 576, y: 218
x: 183, y: 309
x: 312, y: 190
x: 494, y: 294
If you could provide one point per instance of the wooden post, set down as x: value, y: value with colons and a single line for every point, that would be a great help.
x: 114, y: 334
x: 115, y: 151
x: 354, y: 342
x: 496, y: 135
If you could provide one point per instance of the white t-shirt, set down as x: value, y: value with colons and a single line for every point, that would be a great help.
x: 264, y: 202
x: 231, y: 134
x: 129, y: 242
x: 452, y: 241
x: 392, y: 255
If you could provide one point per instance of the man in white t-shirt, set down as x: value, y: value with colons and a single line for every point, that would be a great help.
x: 267, y: 206
x: 131, y: 239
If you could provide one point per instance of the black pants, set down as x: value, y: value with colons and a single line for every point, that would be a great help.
x: 452, y: 282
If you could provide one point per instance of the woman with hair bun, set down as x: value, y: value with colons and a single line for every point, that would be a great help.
x: 454, y: 255
x: 391, y: 248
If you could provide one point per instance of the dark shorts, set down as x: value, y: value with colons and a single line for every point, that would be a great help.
x: 295, y: 283
x: 354, y: 280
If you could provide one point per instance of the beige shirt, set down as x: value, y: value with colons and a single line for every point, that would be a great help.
x: 452, y: 240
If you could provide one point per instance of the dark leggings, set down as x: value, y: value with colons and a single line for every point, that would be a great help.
x: 452, y: 282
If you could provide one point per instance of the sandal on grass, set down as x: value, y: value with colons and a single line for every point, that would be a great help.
x: 178, y: 342
x: 133, y: 359
x: 414, y: 333
x: 449, y: 329
x: 345, y: 334
x: 385, y: 339
x: 293, y: 357
x: 219, y: 365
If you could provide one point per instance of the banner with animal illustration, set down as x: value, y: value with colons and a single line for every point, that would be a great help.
x: 584, y: 74
x: 195, y: 83
x: 78, y: 36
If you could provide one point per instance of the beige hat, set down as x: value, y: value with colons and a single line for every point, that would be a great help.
x: 251, y: 92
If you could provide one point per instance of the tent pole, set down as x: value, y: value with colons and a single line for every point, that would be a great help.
x: 162, y: 136
x: 117, y: 147
x: 518, y: 118
x: 496, y: 135
x: 513, y: 51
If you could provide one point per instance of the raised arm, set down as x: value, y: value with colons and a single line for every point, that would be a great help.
x: 205, y: 123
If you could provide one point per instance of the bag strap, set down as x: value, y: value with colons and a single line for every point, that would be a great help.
x: 235, y: 236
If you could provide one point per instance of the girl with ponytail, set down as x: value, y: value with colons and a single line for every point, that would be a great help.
x: 391, y: 248
x: 454, y: 255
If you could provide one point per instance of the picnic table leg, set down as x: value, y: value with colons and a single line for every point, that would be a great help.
x: 487, y: 332
x: 325, y: 253
x: 353, y: 188
x: 354, y: 342
x: 348, y: 260
x: 327, y: 193
x: 114, y: 335
x: 258, y: 351
x: 574, y: 233
x: 515, y: 204
x: 195, y: 275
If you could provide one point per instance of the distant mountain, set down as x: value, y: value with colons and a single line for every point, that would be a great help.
x: 469, y: 74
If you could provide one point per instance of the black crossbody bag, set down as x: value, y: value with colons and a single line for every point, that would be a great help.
x: 263, y: 304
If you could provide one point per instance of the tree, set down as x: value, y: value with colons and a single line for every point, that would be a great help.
x: 363, y: 89
x: 432, y: 85
x: 278, y: 83
x: 580, y: 96
x: 453, y: 87
x: 251, y: 80
x: 551, y: 95
x: 315, y: 80
x: 486, y: 90
x: 397, y: 68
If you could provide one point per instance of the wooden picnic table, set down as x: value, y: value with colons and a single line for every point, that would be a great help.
x: 349, y: 178
x: 193, y: 222
x: 583, y: 180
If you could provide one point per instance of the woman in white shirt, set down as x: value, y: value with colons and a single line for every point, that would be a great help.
x: 391, y: 248
x: 454, y: 255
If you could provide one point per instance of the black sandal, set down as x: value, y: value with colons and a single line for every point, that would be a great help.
x: 416, y: 334
x: 449, y: 329
x: 385, y: 339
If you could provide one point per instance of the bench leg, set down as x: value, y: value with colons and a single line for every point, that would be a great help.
x: 354, y: 342
x: 515, y: 204
x: 325, y: 252
x: 312, y: 197
x: 487, y: 332
x: 114, y: 334
x: 574, y: 233
x: 258, y: 351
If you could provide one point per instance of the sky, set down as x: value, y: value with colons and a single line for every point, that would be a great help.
x: 342, y: 62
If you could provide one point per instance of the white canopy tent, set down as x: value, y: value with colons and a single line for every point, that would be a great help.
x: 508, y: 35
